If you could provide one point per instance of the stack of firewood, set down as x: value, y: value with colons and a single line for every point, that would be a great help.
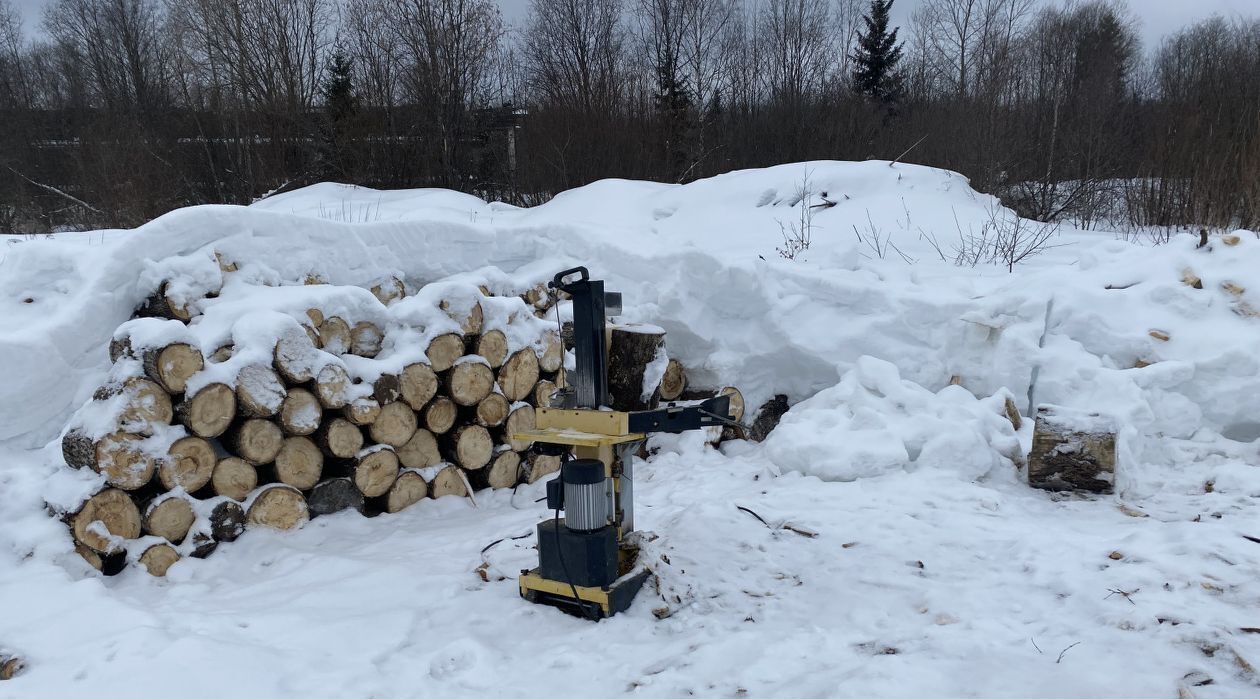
x: 332, y: 413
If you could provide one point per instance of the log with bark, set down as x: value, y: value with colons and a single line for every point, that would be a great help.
x: 387, y: 389
x: 444, y: 351
x: 277, y: 506
x: 169, y: 517
x: 256, y: 440
x: 11, y: 666
x: 259, y: 391
x: 418, y: 385
x: 158, y: 558
x: 163, y: 304
x: 469, y: 381
x: 171, y: 366
x: 394, y: 426
x: 234, y: 478
x: 340, y: 438
x: 299, y: 463
x: 632, y: 349
x: 440, y: 415
x: 334, y: 495
x: 189, y: 464
x: 105, y: 520
x: 300, y: 413
x: 145, y: 404
x: 209, y: 412
x: 674, y: 382
x: 519, y: 375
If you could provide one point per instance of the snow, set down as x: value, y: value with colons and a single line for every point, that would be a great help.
x: 936, y: 571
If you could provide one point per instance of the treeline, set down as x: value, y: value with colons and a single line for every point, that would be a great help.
x: 124, y: 109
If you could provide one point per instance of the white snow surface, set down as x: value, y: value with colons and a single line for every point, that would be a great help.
x: 935, y: 571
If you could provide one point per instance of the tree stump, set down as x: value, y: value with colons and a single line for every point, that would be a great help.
x: 1072, y: 450
x: 632, y: 349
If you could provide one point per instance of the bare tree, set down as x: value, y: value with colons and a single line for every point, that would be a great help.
x: 574, y: 51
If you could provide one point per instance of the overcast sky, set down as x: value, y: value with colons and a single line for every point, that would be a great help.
x: 1158, y: 17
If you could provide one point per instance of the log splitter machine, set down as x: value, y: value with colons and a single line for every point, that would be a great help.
x: 587, y: 562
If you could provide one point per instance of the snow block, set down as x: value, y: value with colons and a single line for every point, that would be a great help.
x: 1073, y: 450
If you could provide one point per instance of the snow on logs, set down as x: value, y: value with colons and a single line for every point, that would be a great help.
x: 264, y: 406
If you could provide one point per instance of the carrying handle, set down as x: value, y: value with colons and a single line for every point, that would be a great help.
x: 558, y: 282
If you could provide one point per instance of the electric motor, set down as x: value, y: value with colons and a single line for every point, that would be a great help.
x: 585, y: 495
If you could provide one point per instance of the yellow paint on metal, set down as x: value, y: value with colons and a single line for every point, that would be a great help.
x: 606, y: 422
x: 575, y: 438
x: 534, y: 581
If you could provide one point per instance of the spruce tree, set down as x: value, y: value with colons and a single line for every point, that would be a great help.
x: 878, y: 53
x: 340, y: 104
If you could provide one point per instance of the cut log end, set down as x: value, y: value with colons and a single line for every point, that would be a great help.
x: 469, y: 382
x: 171, y: 366
x: 278, y: 507
x: 448, y: 481
x: 169, y: 518
x: 375, y: 472
x: 362, y: 411
x: 519, y: 375
x: 259, y: 391
x: 492, y: 345
x: 471, y: 447
x: 674, y: 382
x: 123, y: 460
x: 299, y: 463
x: 340, y: 438
x: 234, y: 478
x: 420, y: 451
x: 417, y: 385
x: 365, y: 339
x: 257, y: 441
x: 300, y: 413
x: 394, y: 426
x: 443, y: 351
x: 334, y: 335
x: 440, y: 414
x: 521, y: 419
x: 493, y: 410
x: 189, y: 464
x: 158, y: 559
x: 332, y: 385
x: 209, y: 412
x: 105, y: 519
x: 409, y: 489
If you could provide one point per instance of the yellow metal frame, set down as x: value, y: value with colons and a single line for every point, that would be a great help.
x: 537, y: 583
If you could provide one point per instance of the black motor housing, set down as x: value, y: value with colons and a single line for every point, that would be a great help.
x: 585, y: 559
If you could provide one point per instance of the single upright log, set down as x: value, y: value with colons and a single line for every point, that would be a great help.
x: 443, y: 351
x: 299, y: 463
x: 420, y: 451
x: 418, y: 384
x: 492, y: 410
x: 340, y: 438
x: 171, y: 366
x: 519, y: 375
x: 631, y: 350
x: 158, y: 558
x: 332, y: 385
x: 469, y: 446
x: 493, y: 346
x: 279, y: 507
x: 334, y: 495
x: 209, y: 412
x: 440, y: 414
x: 189, y: 464
x: 521, y: 419
x: 394, y: 426
x: 123, y: 460
x: 334, y: 335
x: 300, y: 412
x: 169, y: 517
x: 374, y: 471
x: 365, y: 339
x: 259, y: 391
x: 234, y: 478
x: 118, y: 515
x: 469, y: 381
x: 1072, y: 450
x: 256, y: 441
x: 674, y: 382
